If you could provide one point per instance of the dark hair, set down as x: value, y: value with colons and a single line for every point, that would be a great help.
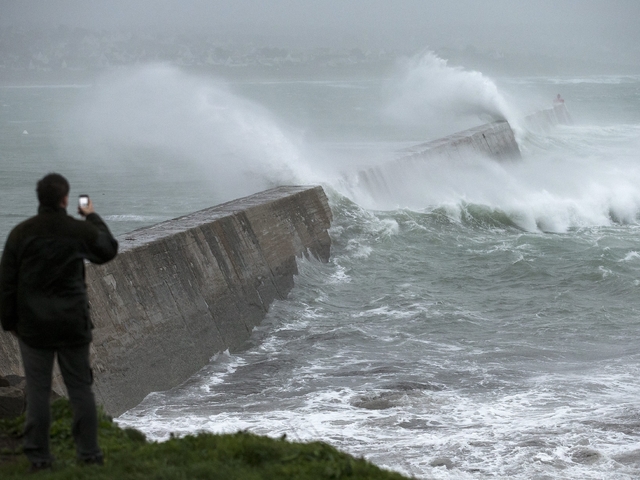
x: 52, y: 189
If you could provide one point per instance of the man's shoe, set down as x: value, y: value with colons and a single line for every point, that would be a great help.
x: 97, y: 460
x: 40, y: 466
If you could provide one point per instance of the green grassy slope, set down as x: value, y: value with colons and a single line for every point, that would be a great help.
x: 128, y: 455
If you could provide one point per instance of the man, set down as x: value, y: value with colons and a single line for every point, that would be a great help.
x: 43, y: 301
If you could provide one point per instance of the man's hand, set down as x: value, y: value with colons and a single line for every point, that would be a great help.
x: 86, y: 210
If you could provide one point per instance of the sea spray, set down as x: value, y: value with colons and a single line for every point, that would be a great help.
x: 445, y: 99
x: 159, y: 121
x: 190, y: 124
x: 551, y: 191
x: 186, y: 123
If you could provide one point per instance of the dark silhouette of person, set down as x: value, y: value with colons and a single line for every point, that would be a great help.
x: 43, y: 301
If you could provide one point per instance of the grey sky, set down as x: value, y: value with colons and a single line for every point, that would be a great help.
x: 582, y: 27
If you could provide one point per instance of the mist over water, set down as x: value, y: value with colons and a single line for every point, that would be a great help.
x: 186, y: 123
x: 170, y: 122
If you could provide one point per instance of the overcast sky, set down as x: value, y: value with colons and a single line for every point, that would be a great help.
x: 585, y: 27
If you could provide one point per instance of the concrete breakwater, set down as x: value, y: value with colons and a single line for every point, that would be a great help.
x: 543, y: 120
x: 383, y: 182
x: 494, y: 140
x: 183, y: 290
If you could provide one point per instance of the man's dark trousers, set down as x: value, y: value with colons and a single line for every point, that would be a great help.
x: 78, y: 378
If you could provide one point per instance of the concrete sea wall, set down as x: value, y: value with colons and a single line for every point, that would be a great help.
x: 543, y: 120
x: 384, y: 183
x: 183, y: 290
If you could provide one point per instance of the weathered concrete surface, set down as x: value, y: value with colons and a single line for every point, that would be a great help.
x: 185, y: 289
x: 10, y: 362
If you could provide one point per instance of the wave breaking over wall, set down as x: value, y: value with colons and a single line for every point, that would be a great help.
x: 389, y: 185
x: 382, y: 183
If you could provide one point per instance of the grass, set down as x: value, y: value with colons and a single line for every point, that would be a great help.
x: 128, y: 455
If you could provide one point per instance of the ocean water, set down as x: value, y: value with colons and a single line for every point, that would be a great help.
x: 483, y: 323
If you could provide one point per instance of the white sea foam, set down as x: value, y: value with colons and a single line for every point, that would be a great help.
x: 134, y: 218
x: 357, y: 250
x: 631, y: 256
x: 541, y: 430
x: 340, y: 276
x: 573, y: 80
x: 595, y: 79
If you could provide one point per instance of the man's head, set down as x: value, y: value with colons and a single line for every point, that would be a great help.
x: 52, y: 190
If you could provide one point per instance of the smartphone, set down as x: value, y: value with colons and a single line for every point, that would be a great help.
x: 83, y: 201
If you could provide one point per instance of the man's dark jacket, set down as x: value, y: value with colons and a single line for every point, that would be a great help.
x: 43, y: 295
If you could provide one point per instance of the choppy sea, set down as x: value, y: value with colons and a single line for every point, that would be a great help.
x: 484, y: 323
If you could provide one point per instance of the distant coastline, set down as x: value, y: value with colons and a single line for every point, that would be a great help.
x: 66, y: 56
